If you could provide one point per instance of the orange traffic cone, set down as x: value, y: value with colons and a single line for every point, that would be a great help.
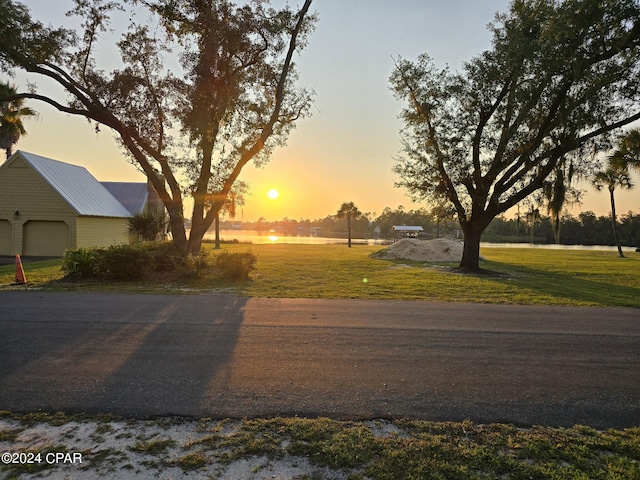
x: 20, y: 278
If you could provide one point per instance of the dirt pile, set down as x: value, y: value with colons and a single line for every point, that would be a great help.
x: 438, y: 250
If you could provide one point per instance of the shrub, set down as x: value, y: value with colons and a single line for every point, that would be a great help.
x: 195, y: 265
x: 118, y: 262
x: 235, y: 266
x: 124, y: 262
x: 164, y: 257
x: 81, y: 263
x: 135, y: 262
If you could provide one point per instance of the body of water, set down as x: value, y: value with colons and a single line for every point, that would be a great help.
x: 266, y: 237
x: 551, y: 246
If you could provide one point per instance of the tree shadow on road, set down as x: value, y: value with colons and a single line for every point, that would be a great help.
x: 171, y: 368
x: 141, y: 355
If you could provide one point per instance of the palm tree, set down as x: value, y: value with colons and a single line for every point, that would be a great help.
x: 349, y: 211
x: 11, y: 114
x: 558, y: 192
x: 148, y: 225
x: 627, y: 155
x: 612, y: 177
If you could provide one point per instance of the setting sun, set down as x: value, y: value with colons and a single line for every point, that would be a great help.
x: 273, y: 194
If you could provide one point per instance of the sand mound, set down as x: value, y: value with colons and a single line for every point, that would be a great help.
x: 438, y: 250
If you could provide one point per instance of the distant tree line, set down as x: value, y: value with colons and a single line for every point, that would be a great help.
x: 584, y: 229
x: 365, y: 226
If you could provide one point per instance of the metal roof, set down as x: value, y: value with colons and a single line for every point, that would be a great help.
x: 407, y: 228
x: 132, y: 195
x: 77, y: 186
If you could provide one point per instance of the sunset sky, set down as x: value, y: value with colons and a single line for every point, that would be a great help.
x: 345, y: 151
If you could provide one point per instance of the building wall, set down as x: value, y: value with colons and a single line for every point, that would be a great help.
x: 6, y: 237
x: 25, y: 196
x: 101, y: 232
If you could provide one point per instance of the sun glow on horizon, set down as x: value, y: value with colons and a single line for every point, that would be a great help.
x: 273, y: 194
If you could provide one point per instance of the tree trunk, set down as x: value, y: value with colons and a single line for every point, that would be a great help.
x: 176, y: 225
x: 531, y: 232
x: 349, y: 231
x: 471, y: 249
x: 556, y: 229
x: 195, y: 239
x: 217, y: 223
x: 200, y: 224
x: 613, y: 223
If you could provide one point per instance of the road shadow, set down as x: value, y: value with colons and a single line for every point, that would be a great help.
x: 132, y: 355
x: 171, y: 367
x: 45, y: 332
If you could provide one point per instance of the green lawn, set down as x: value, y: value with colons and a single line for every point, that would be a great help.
x: 529, y: 276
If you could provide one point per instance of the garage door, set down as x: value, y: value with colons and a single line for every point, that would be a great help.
x: 5, y: 237
x: 45, y: 239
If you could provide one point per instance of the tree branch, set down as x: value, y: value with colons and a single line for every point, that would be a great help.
x: 484, y: 119
x: 267, y: 131
x: 423, y: 111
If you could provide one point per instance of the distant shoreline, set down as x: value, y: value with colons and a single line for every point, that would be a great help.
x: 266, y: 237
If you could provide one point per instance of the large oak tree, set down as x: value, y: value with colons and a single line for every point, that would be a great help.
x: 561, y: 79
x: 228, y: 99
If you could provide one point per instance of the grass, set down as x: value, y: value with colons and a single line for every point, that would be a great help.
x: 529, y: 276
x: 153, y: 447
x: 38, y: 274
x: 379, y: 449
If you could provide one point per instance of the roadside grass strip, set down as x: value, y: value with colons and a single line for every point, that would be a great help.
x: 296, y: 448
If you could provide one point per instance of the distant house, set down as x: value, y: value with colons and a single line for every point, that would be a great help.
x: 407, y: 231
x: 47, y: 206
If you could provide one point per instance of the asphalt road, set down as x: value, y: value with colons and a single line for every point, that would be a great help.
x: 220, y: 356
